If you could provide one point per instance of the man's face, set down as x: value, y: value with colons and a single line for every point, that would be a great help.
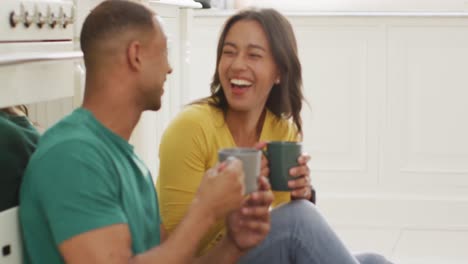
x: 156, y: 67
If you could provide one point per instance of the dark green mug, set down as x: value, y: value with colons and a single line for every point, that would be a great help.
x: 282, y: 156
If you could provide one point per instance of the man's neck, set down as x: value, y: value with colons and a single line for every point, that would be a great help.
x: 114, y: 110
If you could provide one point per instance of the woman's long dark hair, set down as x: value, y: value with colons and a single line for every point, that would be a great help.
x: 285, y: 98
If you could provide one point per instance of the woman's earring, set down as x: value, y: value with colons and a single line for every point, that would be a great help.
x: 277, y: 81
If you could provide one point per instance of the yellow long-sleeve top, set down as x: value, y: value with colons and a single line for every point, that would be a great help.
x: 189, y: 147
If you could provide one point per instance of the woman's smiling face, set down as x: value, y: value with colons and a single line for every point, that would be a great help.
x: 247, y: 70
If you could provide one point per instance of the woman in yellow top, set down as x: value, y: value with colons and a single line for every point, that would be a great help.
x: 256, y: 97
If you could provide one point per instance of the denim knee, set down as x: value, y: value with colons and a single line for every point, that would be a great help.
x: 297, y: 213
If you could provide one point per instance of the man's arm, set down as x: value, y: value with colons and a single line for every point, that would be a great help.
x: 219, y: 194
x: 112, y: 244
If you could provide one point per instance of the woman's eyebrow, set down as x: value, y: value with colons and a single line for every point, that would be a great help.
x: 230, y: 44
x: 255, y: 46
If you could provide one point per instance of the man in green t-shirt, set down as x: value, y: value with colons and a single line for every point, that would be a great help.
x: 87, y: 198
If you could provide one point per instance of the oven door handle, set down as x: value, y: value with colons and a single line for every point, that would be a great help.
x: 31, y: 57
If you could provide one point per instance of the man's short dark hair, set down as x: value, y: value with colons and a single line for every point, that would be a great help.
x: 111, y: 18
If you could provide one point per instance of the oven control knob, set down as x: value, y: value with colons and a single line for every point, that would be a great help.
x: 14, y: 19
x: 51, y: 20
x: 28, y: 19
x: 66, y: 20
x: 38, y: 18
x: 71, y: 18
x: 61, y: 17
x: 17, y: 18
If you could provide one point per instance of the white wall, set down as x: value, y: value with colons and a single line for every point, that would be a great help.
x: 355, y: 5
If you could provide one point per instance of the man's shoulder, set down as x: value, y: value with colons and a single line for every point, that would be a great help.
x: 68, y: 138
x: 64, y: 160
x: 65, y: 156
x: 73, y: 130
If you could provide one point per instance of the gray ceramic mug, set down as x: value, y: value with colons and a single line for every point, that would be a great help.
x: 251, y: 160
x: 282, y: 156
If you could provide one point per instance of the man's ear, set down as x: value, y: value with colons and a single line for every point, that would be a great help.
x: 134, y: 55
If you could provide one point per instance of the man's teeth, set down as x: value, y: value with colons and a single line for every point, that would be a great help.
x: 240, y: 82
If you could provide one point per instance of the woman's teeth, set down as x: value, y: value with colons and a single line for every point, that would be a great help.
x: 240, y: 83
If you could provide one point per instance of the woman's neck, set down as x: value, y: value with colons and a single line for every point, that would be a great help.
x: 245, y: 127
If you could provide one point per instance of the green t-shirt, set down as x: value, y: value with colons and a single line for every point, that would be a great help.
x: 18, y: 140
x: 83, y: 177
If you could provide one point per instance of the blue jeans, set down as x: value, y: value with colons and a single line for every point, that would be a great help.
x: 300, y: 234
